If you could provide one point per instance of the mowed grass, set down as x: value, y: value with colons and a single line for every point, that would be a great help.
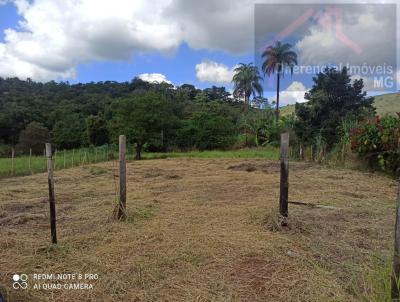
x: 202, y: 230
x: 23, y: 165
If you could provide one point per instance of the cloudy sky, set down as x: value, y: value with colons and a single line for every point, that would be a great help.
x: 188, y: 41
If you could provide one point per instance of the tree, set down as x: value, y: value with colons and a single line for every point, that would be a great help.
x: 97, y: 131
x: 143, y: 118
x: 247, y: 82
x: 70, y: 131
x: 210, y: 127
x: 276, y: 58
x: 34, y: 137
x: 332, y: 99
x: 216, y: 93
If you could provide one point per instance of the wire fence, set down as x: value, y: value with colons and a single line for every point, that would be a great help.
x: 25, y: 164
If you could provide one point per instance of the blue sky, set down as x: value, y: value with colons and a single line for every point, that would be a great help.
x: 185, y: 41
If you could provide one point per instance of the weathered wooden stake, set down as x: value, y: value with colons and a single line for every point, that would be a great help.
x: 284, y: 184
x: 396, y: 256
x: 52, y: 200
x: 73, y: 154
x: 65, y: 159
x: 122, y: 178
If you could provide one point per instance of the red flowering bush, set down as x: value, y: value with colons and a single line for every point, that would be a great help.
x: 378, y: 142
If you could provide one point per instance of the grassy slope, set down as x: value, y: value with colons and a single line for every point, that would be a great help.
x: 202, y: 230
x: 385, y: 104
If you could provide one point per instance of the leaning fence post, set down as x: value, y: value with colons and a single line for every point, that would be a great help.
x: 52, y: 201
x: 122, y: 178
x: 396, y: 256
x: 284, y: 183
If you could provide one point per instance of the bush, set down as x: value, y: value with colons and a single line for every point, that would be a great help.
x: 378, y: 141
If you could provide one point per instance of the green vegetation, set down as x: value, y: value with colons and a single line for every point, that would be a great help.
x: 158, y: 117
x: 267, y: 153
x: 384, y: 104
x: 387, y: 104
x: 276, y: 58
x: 25, y: 165
x: 378, y: 142
x: 247, y: 82
x: 332, y: 99
x: 74, y: 158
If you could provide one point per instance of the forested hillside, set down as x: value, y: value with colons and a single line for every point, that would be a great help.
x: 84, y: 114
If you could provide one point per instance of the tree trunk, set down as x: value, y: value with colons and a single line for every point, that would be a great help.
x: 138, y: 155
x: 278, y: 75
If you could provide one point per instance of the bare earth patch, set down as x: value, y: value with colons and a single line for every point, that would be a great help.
x: 198, y: 230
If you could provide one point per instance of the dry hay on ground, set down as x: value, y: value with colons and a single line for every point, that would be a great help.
x: 198, y: 230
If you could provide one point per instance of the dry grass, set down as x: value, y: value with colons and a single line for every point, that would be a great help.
x: 199, y: 230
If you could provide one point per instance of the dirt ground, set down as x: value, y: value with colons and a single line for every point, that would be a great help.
x: 198, y: 230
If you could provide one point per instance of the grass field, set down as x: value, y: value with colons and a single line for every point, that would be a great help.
x: 202, y: 230
x: 384, y: 104
x: 23, y: 165
x: 387, y: 103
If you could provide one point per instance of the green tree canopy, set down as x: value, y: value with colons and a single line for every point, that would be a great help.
x: 247, y: 82
x: 332, y: 98
x: 34, y: 137
x: 143, y: 118
x: 276, y: 58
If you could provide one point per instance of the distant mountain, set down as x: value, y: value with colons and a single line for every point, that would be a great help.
x: 384, y: 104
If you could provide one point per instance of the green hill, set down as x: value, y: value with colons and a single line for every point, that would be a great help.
x: 384, y: 104
x: 387, y: 103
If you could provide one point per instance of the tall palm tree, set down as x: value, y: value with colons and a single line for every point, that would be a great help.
x: 276, y: 57
x: 247, y: 81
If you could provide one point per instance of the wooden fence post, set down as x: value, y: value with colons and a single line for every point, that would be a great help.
x: 122, y: 178
x: 284, y: 183
x: 73, y: 154
x: 52, y: 201
x: 396, y: 257
x: 65, y: 159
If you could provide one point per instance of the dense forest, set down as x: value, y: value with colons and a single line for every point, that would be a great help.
x: 162, y: 117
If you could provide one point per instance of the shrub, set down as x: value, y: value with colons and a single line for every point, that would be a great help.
x: 378, y: 141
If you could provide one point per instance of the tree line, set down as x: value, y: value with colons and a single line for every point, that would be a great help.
x: 163, y: 117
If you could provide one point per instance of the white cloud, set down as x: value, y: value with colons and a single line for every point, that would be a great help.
x: 292, y: 95
x: 53, y: 37
x: 355, y: 44
x: 154, y: 77
x: 214, y: 72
